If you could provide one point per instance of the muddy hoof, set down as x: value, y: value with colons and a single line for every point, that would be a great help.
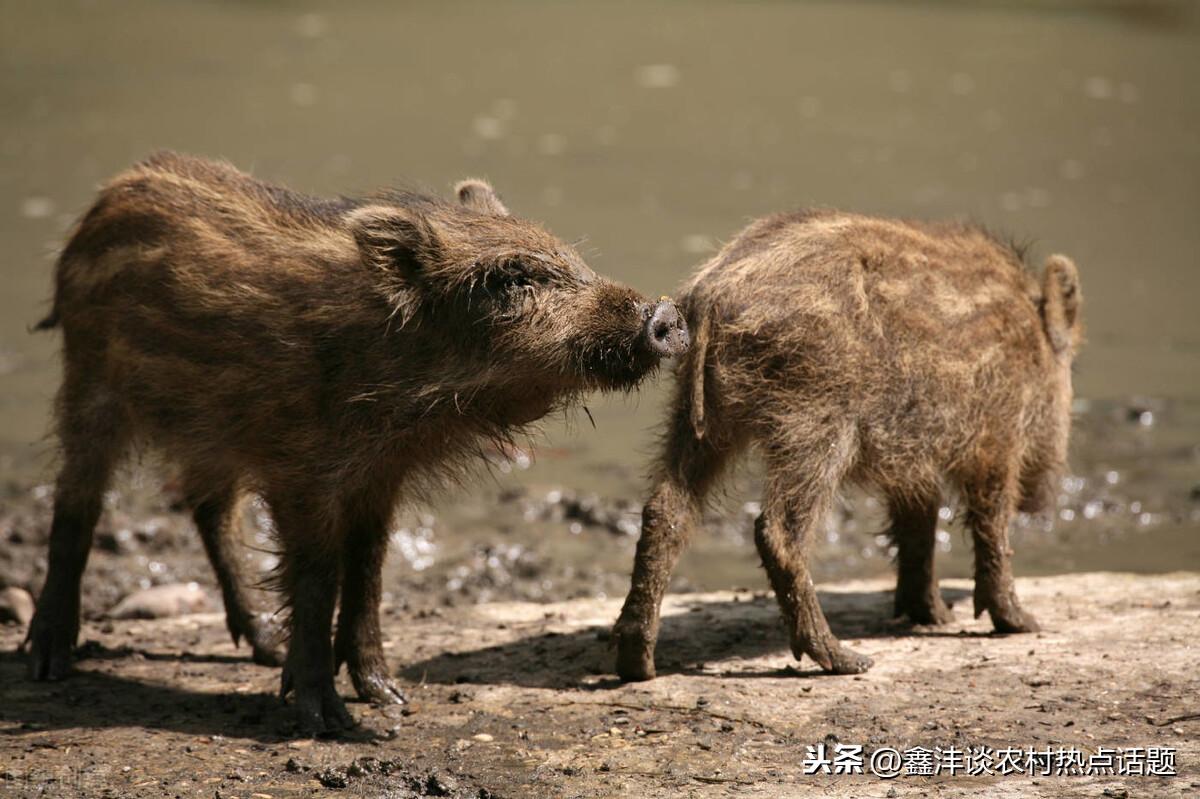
x: 50, y: 644
x: 319, y: 710
x: 1014, y: 621
x: 635, y: 658
x: 847, y: 661
x: 1007, y: 615
x: 377, y: 688
x: 925, y: 612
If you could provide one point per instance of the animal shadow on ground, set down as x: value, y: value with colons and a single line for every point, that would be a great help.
x: 706, y: 633
x: 693, y: 642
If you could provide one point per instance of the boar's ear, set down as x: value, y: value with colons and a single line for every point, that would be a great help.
x: 394, y: 238
x: 1060, y: 303
x: 479, y: 196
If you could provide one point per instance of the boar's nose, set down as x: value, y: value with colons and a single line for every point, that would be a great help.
x: 666, y: 331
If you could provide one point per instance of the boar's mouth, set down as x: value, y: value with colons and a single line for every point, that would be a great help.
x: 619, y: 368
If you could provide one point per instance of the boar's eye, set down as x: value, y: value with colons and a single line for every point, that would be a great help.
x: 509, y: 284
x: 514, y: 274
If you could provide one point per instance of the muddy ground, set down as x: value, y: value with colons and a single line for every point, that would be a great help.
x: 498, y: 601
x: 518, y: 699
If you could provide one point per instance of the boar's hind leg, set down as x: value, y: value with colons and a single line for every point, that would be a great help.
x: 991, y: 499
x: 689, y: 469
x: 795, y: 505
x: 93, y: 438
x: 914, y: 530
x: 216, y: 517
x: 359, y: 642
x: 309, y: 574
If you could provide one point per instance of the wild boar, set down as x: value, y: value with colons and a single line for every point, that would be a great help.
x: 904, y: 357
x: 333, y: 356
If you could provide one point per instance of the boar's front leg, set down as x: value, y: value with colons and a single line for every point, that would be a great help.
x: 359, y: 642
x: 991, y: 498
x: 914, y: 531
x: 795, y: 505
x: 309, y: 575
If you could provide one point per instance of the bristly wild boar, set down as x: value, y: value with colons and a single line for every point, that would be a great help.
x: 334, y: 356
x: 904, y: 357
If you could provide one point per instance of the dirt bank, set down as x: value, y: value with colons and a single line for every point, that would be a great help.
x: 518, y: 699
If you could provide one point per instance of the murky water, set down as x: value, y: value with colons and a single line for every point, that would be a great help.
x: 651, y: 132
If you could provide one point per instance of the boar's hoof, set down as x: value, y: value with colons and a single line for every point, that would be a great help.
x: 847, y: 661
x: 1014, y: 620
x: 319, y: 709
x: 635, y: 657
x: 50, y: 644
x: 322, y: 712
x: 1007, y: 615
x: 377, y: 688
x: 931, y: 611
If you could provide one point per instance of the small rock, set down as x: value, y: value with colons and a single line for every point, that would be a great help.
x: 16, y: 605
x: 332, y: 778
x: 484, y: 737
x: 161, y: 601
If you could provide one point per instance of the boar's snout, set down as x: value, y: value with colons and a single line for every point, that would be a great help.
x: 666, y: 330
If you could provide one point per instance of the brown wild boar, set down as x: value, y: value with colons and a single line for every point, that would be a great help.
x: 904, y: 357
x: 333, y: 356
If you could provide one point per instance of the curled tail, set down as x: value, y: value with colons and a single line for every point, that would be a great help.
x: 1060, y: 303
x: 697, y: 358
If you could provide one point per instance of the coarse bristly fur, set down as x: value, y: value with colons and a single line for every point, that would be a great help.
x: 905, y: 357
x: 333, y: 356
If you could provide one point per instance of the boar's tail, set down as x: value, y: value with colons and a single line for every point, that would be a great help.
x: 1060, y: 303
x: 695, y: 365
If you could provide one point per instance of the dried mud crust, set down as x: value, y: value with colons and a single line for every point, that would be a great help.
x: 519, y: 699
